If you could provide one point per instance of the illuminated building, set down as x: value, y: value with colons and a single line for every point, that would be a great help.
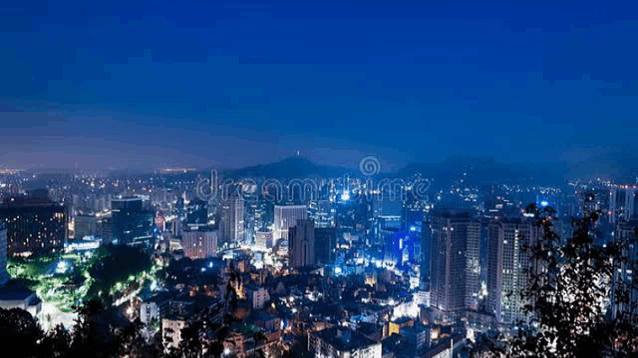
x: 622, y: 203
x: 172, y: 330
x: 323, y: 213
x: 455, y: 262
x: 4, y: 276
x: 199, y: 242
x: 395, y: 325
x: 286, y: 216
x: 426, y: 251
x: 302, y: 244
x: 260, y: 298
x: 263, y: 239
x: 507, y: 266
x: 401, y: 246
x: 131, y: 221
x: 341, y: 342
x: 624, y: 276
x: 35, y: 225
x: 196, y: 212
x: 232, y: 225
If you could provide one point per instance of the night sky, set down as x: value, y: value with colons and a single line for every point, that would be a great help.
x: 233, y: 83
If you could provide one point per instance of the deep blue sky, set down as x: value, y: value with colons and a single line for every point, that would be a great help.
x: 144, y: 84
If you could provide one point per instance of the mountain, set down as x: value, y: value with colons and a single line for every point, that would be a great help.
x: 291, y: 167
x: 479, y: 170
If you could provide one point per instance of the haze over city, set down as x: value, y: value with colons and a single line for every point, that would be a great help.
x: 234, y: 84
x: 334, y: 179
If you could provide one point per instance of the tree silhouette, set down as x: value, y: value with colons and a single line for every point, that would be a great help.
x: 572, y: 297
x: 19, y: 329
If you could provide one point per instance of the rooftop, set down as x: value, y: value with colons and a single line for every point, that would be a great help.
x: 344, y: 339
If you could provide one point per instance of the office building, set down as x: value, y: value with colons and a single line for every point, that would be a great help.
x: 623, y: 279
x: 232, y: 225
x: 301, y: 244
x: 263, y: 239
x: 131, y: 222
x: 35, y: 225
x: 285, y: 217
x: 508, y: 267
x: 622, y: 203
x: 199, y: 242
x: 325, y: 245
x: 455, y: 266
x: 4, y: 276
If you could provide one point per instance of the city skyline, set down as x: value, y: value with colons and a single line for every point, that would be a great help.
x: 334, y: 179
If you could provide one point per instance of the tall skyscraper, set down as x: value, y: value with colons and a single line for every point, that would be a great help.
x: 35, y: 224
x: 131, y: 221
x: 286, y: 216
x: 325, y: 243
x: 232, y: 225
x: 301, y: 244
x: 426, y: 250
x: 624, y: 278
x: 508, y: 266
x: 455, y: 262
x: 4, y: 276
x: 623, y: 203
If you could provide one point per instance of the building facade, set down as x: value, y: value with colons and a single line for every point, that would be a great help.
x: 508, y: 267
x: 35, y: 225
x: 232, y: 225
x: 199, y: 242
x: 301, y: 244
x: 285, y: 217
x: 455, y: 262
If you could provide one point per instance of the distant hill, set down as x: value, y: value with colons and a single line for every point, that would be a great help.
x: 479, y: 171
x: 486, y: 171
x: 291, y: 167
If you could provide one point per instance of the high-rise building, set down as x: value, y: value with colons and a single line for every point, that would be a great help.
x: 323, y: 213
x: 197, y: 212
x: 199, y: 242
x: 508, y: 267
x: 232, y: 225
x: 426, y: 250
x: 4, y: 276
x: 35, y: 225
x: 131, y: 221
x: 286, y: 216
x: 301, y: 243
x: 325, y: 244
x: 623, y: 279
x: 623, y: 203
x: 455, y: 262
